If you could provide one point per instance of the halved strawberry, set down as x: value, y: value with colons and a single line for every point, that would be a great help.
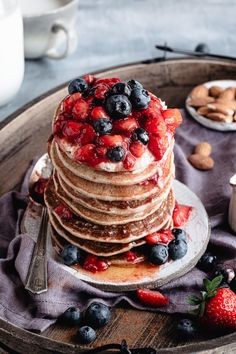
x: 72, y: 129
x: 98, y: 112
x: 68, y: 104
x: 64, y: 212
x: 89, y: 79
x: 181, y: 214
x: 152, y: 298
x: 172, y: 117
x: 58, y: 126
x: 156, y: 125
x: 125, y: 126
x: 87, y: 135
x: 110, y: 140
x: 80, y: 110
x: 158, y: 146
x: 86, y: 153
x: 164, y: 236
x: 137, y: 148
x: 100, y: 91
x: 129, y: 162
x: 102, y: 151
x: 110, y: 82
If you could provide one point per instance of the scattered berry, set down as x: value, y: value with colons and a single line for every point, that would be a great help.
x: 141, y: 135
x: 70, y: 255
x: 181, y: 214
x: 133, y: 84
x: 152, y: 298
x: 121, y: 88
x: 177, y: 249
x: 158, y: 254
x: 97, y: 315
x: 116, y: 153
x: 130, y: 256
x: 64, y: 212
x: 94, y: 264
x: 164, y: 236
x: 103, y: 126
x: 139, y: 98
x: 118, y: 106
x: 186, y: 328
x: 71, y: 317
x: 179, y: 234
x: 77, y: 85
x: 207, y: 262
x: 86, y: 335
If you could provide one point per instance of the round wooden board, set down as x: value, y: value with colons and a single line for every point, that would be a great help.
x: 23, y: 136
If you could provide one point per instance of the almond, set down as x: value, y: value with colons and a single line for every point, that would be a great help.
x: 219, y: 117
x: 215, y: 91
x: 219, y: 107
x: 201, y: 101
x: 199, y: 91
x: 228, y: 94
x: 203, y: 110
x: 201, y: 162
x: 203, y: 148
x: 228, y: 104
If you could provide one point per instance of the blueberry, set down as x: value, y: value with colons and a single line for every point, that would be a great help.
x: 71, y: 317
x: 121, y: 88
x: 97, y: 315
x: 207, y: 262
x: 158, y: 254
x: 70, y: 255
x: 202, y: 48
x: 86, y: 335
x: 116, y: 153
x: 77, y: 85
x: 118, y: 106
x: 179, y: 234
x: 141, y: 135
x: 177, y: 249
x: 140, y: 98
x: 233, y: 285
x: 133, y: 84
x: 219, y: 270
x: 186, y: 328
x: 102, y: 126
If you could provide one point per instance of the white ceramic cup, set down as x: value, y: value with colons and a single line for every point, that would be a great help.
x: 49, y: 28
x: 11, y: 50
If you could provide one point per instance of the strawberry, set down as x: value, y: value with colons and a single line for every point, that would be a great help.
x: 80, y: 110
x: 58, y: 125
x: 110, y: 140
x: 86, y: 153
x: 87, y: 135
x: 216, y: 306
x: 156, y: 125
x: 173, y: 118
x: 89, y: 79
x: 125, y: 126
x: 72, y: 129
x: 69, y: 101
x: 158, y: 146
x: 137, y: 148
x: 181, y: 214
x: 164, y: 236
x: 100, y: 91
x: 64, y: 212
x: 110, y: 82
x: 98, y: 112
x: 129, y: 161
x: 152, y: 298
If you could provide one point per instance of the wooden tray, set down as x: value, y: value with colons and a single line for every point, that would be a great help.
x: 23, y: 136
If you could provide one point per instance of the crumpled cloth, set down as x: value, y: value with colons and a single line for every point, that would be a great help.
x: 37, y: 312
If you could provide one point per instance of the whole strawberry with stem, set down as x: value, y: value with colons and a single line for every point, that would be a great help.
x: 216, y: 306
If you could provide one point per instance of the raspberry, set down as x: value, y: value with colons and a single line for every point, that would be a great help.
x: 130, y: 256
x: 80, y: 110
x: 94, y: 264
x: 101, y: 265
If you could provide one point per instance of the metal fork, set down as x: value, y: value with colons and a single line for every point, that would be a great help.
x: 37, y: 273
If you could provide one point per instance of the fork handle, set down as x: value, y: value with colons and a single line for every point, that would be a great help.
x: 37, y: 273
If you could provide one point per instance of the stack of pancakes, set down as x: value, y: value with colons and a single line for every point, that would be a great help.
x: 113, y: 212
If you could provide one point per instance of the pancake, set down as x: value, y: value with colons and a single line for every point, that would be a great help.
x: 126, y: 233
x: 111, y: 192
x: 109, y: 207
x: 114, y: 178
x: 102, y: 218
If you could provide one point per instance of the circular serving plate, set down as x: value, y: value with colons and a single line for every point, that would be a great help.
x: 208, y: 123
x: 123, y: 277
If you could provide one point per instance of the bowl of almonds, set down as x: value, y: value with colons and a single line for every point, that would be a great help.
x: 213, y: 104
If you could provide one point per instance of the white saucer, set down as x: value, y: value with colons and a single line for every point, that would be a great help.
x: 205, y: 121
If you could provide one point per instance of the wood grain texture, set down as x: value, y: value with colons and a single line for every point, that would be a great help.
x: 24, y: 136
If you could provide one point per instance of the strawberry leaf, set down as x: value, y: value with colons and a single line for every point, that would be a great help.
x: 207, y: 284
x: 215, y: 283
x: 194, y: 300
x: 202, y: 309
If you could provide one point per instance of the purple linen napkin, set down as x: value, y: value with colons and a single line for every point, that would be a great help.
x: 37, y: 312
